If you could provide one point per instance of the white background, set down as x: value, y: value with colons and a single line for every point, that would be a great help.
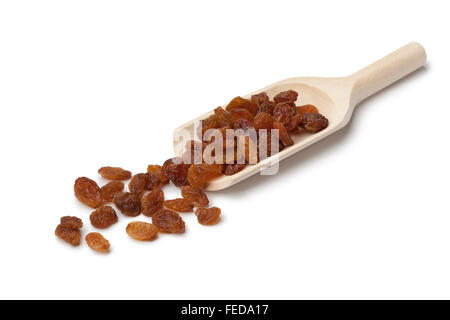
x: 362, y: 214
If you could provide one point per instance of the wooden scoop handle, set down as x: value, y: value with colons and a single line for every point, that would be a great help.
x: 387, y: 70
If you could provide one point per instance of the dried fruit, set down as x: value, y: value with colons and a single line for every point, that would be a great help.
x: 231, y: 169
x: 88, y: 192
x: 153, y: 182
x: 237, y: 114
x: 114, y: 173
x: 179, y: 205
x: 283, y: 113
x: 266, y: 107
x: 157, y: 171
x: 241, y: 103
x: 307, y: 108
x: 283, y: 135
x: 142, y: 231
x: 68, y: 234
x: 223, y: 117
x: 71, y: 222
x: 103, y: 217
x: 289, y: 96
x: 243, y: 124
x: 196, y: 196
x: 108, y: 191
x: 263, y: 120
x: 314, y: 122
x: 260, y: 98
x: 152, y: 202
x: 176, y: 171
x: 294, y: 123
x: 128, y: 203
x: 168, y: 221
x: 97, y: 242
x: 137, y: 183
x: 200, y: 174
x: 208, y: 216
x: 194, y: 152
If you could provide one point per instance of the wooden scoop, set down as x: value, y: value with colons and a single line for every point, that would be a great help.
x: 335, y: 98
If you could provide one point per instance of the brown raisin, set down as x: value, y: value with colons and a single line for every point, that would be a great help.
x: 294, y: 123
x: 260, y: 98
x: 283, y: 134
x: 157, y: 171
x: 142, y: 231
x: 153, y: 182
x: 114, y: 173
x: 231, y: 169
x: 88, y: 192
x: 289, y: 96
x: 176, y: 171
x: 283, y: 113
x: 68, y: 234
x: 314, y: 122
x: 108, y: 191
x: 196, y: 196
x: 208, y: 216
x: 243, y: 124
x: 152, y: 202
x: 263, y: 120
x: 223, y: 117
x: 266, y: 107
x: 137, y: 183
x: 307, y: 108
x: 200, y: 174
x: 128, y: 203
x: 237, y: 114
x: 241, y: 103
x: 71, y: 222
x: 168, y: 221
x: 103, y: 217
x: 179, y: 205
x: 97, y: 242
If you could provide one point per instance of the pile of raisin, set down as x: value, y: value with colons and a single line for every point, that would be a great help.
x: 249, y: 121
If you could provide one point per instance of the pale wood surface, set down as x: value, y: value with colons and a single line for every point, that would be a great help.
x: 335, y: 98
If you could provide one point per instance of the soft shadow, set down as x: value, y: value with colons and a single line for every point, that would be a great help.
x: 319, y: 149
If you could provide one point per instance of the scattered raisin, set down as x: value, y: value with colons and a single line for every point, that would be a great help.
x: 168, y: 221
x: 176, y: 171
x: 200, y: 174
x: 103, y: 217
x: 208, y: 216
x: 137, y: 183
x: 153, y: 182
x: 68, y: 234
x: 289, y: 96
x: 314, y: 122
x: 142, y: 231
x: 128, y: 203
x: 108, y: 191
x: 71, y: 222
x: 179, y: 205
x: 97, y: 242
x: 88, y: 192
x: 152, y: 202
x: 157, y: 171
x: 196, y: 196
x: 114, y: 173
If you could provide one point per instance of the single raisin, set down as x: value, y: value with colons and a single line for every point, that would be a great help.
x: 179, y: 205
x: 103, y: 217
x: 307, y: 108
x: 266, y: 107
x: 231, y: 169
x: 153, y: 182
x: 263, y: 120
x: 71, y: 222
x: 114, y: 173
x: 241, y: 103
x: 88, y: 192
x: 97, y: 242
x: 152, y: 202
x: 196, y: 196
x: 283, y: 113
x: 137, y: 183
x: 128, y: 203
x: 237, y: 114
x: 176, y: 171
x: 260, y: 98
x: 168, y: 221
x: 314, y: 122
x: 68, y: 234
x: 208, y: 216
x: 289, y: 96
x: 294, y: 123
x: 200, y: 174
x: 142, y: 231
x: 283, y: 134
x: 157, y: 171
x: 108, y: 191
